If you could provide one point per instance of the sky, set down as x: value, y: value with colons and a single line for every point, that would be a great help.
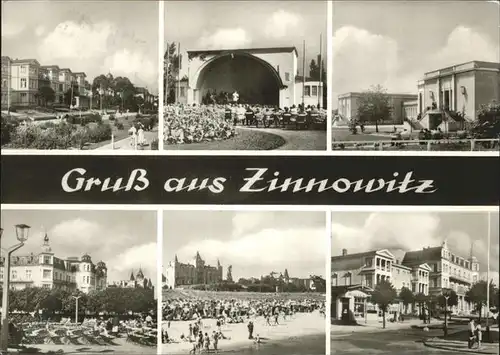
x: 124, y: 240
x: 198, y: 25
x: 358, y: 232
x: 254, y: 243
x: 393, y: 43
x: 95, y: 37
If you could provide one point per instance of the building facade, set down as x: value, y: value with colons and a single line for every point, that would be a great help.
x: 260, y: 75
x: 430, y: 271
x: 194, y: 273
x: 135, y: 281
x: 24, y: 76
x: 460, y: 88
x: 46, y: 270
x: 348, y: 104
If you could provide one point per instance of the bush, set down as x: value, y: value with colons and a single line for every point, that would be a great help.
x: 9, y: 126
x: 119, y: 125
x: 112, y: 117
x: 99, y: 132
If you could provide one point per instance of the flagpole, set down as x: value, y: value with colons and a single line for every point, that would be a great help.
x: 320, y: 89
x: 488, y: 271
x: 303, y: 71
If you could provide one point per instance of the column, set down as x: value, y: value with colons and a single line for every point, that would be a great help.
x: 438, y: 93
x: 453, y: 94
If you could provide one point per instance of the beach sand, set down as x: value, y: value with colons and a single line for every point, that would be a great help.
x: 310, y: 326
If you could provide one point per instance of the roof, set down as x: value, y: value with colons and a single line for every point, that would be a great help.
x: 29, y: 61
x: 80, y: 73
x: 51, y: 67
x: 66, y: 69
x: 249, y: 50
x: 359, y: 93
x: 477, y: 64
x: 421, y: 256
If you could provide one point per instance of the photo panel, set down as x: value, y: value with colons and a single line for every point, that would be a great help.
x: 244, y: 282
x: 414, y: 282
x: 405, y: 78
x: 246, y: 75
x: 79, y: 281
x: 80, y: 75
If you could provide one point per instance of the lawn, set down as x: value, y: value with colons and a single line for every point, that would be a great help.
x: 244, y: 140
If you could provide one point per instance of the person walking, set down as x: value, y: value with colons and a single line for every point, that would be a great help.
x: 250, y: 330
x: 472, y: 330
x: 479, y: 335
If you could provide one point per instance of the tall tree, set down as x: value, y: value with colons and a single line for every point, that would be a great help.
x: 319, y: 283
x: 446, y: 303
x: 314, y: 74
x: 407, y: 297
x: 171, y: 71
x: 374, y: 106
x: 383, y: 296
x: 477, y: 295
x: 46, y: 95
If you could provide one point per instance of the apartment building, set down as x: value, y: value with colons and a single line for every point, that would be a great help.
x: 46, y: 270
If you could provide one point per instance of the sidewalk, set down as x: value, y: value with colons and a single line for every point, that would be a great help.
x: 377, y: 326
x: 461, y: 346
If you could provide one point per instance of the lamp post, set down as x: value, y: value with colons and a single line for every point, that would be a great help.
x: 446, y: 315
x: 76, y: 308
x: 22, y: 232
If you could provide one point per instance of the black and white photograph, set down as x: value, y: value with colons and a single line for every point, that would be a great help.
x: 244, y: 282
x: 78, y: 282
x: 80, y: 75
x: 415, y: 282
x: 416, y: 75
x: 245, y: 75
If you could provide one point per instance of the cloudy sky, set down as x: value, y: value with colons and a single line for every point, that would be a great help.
x: 239, y: 24
x: 124, y: 240
x: 358, y: 232
x: 254, y: 243
x: 394, y: 43
x: 98, y: 37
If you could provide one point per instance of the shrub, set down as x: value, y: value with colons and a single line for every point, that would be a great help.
x: 119, y: 125
x: 9, y: 126
x: 112, y: 117
x: 154, y: 144
x: 99, y: 132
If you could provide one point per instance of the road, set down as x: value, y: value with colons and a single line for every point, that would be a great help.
x: 396, y: 342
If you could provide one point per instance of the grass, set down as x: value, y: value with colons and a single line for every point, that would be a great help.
x: 244, y: 140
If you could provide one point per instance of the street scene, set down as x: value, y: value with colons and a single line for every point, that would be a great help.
x: 415, y: 283
x: 245, y: 75
x: 78, y: 282
x: 401, y: 86
x: 244, y: 282
x: 79, y: 75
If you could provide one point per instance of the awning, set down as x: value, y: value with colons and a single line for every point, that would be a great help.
x: 356, y: 293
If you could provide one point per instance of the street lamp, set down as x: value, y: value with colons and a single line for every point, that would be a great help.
x: 446, y: 315
x: 76, y: 310
x: 22, y: 233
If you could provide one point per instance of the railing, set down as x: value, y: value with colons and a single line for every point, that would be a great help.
x: 421, y: 145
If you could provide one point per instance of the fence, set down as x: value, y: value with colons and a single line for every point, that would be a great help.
x: 421, y: 145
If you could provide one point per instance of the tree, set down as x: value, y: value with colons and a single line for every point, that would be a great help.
x: 488, y: 121
x: 314, y: 74
x: 383, y: 296
x: 171, y: 71
x: 407, y: 297
x: 46, y: 95
x: 319, y: 283
x: 477, y: 295
x: 374, y: 106
x: 450, y: 302
x: 70, y: 94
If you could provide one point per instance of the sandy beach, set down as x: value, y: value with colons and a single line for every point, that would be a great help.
x: 301, y: 325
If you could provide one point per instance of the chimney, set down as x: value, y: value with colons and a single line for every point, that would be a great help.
x: 344, y: 252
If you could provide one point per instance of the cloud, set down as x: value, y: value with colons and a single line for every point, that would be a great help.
x: 11, y: 29
x: 39, y: 31
x: 408, y: 232
x: 133, y: 64
x: 225, y: 38
x: 265, y: 251
x: 72, y: 40
x: 140, y: 256
x: 281, y: 22
x: 464, y: 44
x: 362, y: 59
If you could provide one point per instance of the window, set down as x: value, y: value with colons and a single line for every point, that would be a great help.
x: 287, y: 76
x: 23, y: 83
x: 46, y: 286
x: 24, y: 97
x: 314, y: 91
x: 368, y: 261
x: 23, y: 68
x: 28, y: 274
x: 183, y: 92
x: 46, y: 260
x: 14, y: 274
x: 47, y: 274
x: 307, y: 91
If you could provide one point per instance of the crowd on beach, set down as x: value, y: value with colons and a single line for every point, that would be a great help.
x: 224, y: 312
x: 27, y: 330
